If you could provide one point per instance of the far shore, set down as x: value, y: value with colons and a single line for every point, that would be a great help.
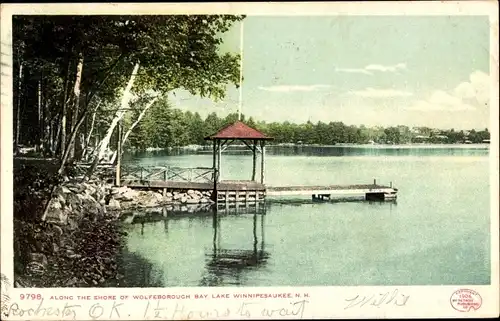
x: 391, y: 146
x: 30, y: 151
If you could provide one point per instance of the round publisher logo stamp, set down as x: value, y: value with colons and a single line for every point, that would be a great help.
x: 465, y: 300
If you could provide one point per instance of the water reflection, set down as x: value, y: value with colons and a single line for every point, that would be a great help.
x: 337, y: 150
x: 228, y: 266
x: 135, y: 271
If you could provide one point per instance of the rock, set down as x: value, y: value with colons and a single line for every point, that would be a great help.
x: 192, y: 201
x: 39, y: 258
x: 114, y: 204
x: 183, y: 199
x: 115, y: 190
x: 123, y: 189
x: 167, y: 199
x: 184, y: 208
x: 61, y: 199
x: 57, y: 216
x: 76, y: 188
x: 169, y: 194
x: 58, y: 230
x: 62, y: 190
x: 72, y: 282
x: 177, y: 196
x: 55, y: 204
x: 130, y: 195
x: 35, y: 268
x: 190, y: 192
x: 126, y: 204
x: 129, y: 219
x: 73, y: 199
x: 90, y: 190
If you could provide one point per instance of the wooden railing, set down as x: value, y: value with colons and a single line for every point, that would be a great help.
x: 168, y: 173
x: 102, y: 171
x: 152, y: 173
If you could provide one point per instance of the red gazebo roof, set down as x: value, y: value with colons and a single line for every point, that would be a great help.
x: 238, y: 130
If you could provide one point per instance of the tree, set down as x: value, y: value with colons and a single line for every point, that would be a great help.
x: 92, y: 58
x: 392, y: 135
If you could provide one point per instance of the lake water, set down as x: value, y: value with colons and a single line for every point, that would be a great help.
x: 438, y: 231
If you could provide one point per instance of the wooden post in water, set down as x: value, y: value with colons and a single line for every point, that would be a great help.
x: 119, y: 154
x: 262, y: 159
x: 254, y: 167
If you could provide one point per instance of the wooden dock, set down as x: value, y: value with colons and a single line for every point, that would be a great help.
x: 235, y: 193
x: 232, y: 194
x: 370, y: 191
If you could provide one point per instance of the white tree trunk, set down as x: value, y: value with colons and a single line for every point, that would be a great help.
x: 103, y: 145
x: 76, y: 101
x: 139, y: 118
x: 18, y: 112
x: 89, y: 135
x: 141, y: 115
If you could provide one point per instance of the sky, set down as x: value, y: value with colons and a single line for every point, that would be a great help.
x: 371, y: 70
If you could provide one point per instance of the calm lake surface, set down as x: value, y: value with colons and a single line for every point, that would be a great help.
x: 438, y: 231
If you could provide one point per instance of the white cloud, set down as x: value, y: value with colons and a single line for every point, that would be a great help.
x: 477, y: 88
x: 292, y: 88
x: 426, y: 105
x: 465, y: 90
x: 382, y: 68
x: 440, y: 97
x: 368, y: 70
x: 380, y: 93
x: 461, y: 99
x: 354, y: 71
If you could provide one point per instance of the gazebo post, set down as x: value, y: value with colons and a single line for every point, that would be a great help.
x: 262, y: 158
x: 219, y: 152
x: 214, y: 166
x: 254, y: 151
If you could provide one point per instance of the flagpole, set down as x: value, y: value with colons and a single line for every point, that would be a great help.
x: 240, y: 102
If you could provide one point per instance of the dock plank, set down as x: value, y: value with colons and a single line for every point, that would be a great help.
x: 326, y: 187
x: 222, y: 186
x: 329, y: 190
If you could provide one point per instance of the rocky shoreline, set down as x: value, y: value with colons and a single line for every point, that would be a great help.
x: 127, y: 198
x: 76, y: 242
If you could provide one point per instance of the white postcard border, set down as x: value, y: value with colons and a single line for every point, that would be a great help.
x: 322, y: 302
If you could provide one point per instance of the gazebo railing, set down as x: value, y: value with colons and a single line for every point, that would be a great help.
x: 168, y: 173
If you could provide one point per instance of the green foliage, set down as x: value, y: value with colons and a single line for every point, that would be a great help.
x: 166, y: 127
x: 173, y: 51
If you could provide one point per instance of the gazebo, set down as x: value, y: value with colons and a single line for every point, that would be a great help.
x: 251, y: 138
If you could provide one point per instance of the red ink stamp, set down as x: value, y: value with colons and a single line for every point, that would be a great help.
x: 464, y: 300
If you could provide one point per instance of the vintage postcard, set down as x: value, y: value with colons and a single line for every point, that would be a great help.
x: 249, y: 160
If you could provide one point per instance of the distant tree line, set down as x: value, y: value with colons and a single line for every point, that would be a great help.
x: 164, y: 126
